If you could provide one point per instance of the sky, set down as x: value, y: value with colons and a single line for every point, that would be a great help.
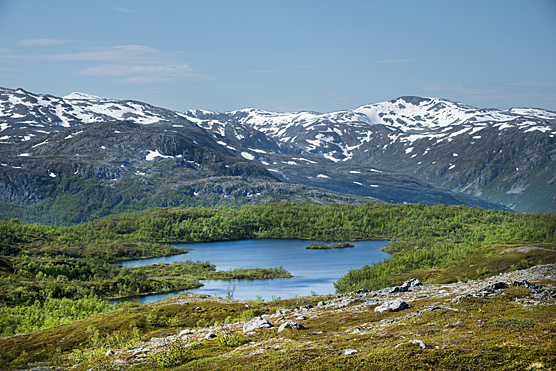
x: 283, y: 55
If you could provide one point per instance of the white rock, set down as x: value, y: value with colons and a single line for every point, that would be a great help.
x: 292, y: 325
x: 392, y: 306
x: 255, y: 323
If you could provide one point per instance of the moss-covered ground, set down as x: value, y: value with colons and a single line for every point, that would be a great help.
x: 512, y: 331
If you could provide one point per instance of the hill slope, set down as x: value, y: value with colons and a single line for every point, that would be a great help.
x: 407, y: 150
x: 502, y: 156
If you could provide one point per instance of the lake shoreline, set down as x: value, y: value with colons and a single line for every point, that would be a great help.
x: 312, y: 273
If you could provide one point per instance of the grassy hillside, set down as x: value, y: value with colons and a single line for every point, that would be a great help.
x: 41, y: 267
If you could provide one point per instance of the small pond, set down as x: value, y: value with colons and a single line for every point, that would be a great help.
x: 314, y: 271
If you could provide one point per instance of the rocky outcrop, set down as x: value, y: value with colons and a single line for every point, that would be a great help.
x: 256, y: 323
x: 290, y: 325
x: 392, y: 306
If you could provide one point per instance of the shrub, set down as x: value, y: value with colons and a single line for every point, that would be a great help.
x: 172, y: 354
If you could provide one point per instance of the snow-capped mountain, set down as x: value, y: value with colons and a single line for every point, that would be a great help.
x: 400, y: 150
x: 25, y: 115
x: 506, y: 156
x: 337, y: 135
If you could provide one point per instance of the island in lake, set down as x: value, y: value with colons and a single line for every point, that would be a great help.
x: 322, y: 246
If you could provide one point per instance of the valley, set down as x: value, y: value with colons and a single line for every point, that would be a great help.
x: 65, y: 273
x: 466, y: 197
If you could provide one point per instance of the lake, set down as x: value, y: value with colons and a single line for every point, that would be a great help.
x: 314, y: 271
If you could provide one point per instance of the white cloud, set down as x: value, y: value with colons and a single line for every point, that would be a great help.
x: 43, y: 42
x: 136, y: 64
x: 133, y: 54
x: 123, y: 10
x: 4, y: 50
x: 141, y: 74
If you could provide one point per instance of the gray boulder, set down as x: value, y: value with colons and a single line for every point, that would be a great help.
x: 256, y: 323
x: 210, y: 335
x: 186, y: 332
x: 414, y: 282
x: 292, y: 325
x: 282, y: 311
x: 392, y: 306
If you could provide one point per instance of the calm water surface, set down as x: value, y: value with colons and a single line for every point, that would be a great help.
x: 313, y: 270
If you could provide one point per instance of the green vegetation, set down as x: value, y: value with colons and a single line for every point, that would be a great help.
x: 42, y: 267
x: 50, y: 313
x: 436, y: 243
x: 323, y: 246
x: 75, y: 200
x: 174, y: 353
x: 474, y: 334
x: 87, y: 340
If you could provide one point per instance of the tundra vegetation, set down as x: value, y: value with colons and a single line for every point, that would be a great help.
x: 54, y: 280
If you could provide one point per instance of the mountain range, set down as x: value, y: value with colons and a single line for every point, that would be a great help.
x: 83, y: 156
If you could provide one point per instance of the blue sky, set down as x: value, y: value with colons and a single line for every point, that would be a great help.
x: 283, y: 55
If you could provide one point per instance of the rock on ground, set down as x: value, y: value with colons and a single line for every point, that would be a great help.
x: 292, y: 325
x: 392, y: 306
x: 255, y: 323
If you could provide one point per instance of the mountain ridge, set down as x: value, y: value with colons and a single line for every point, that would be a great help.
x: 410, y: 149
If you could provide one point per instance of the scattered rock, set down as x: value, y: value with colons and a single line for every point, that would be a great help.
x: 292, y: 325
x: 307, y: 307
x: 282, y: 311
x: 391, y: 290
x: 392, y: 306
x: 186, y: 332
x: 198, y: 308
x: 418, y: 342
x: 414, y: 282
x: 256, y: 323
x: 301, y: 318
x: 320, y: 304
x: 527, y: 284
x: 210, y: 335
x: 109, y: 352
x: 490, y: 290
x: 349, y: 352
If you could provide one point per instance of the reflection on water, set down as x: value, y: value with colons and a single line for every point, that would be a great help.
x: 313, y: 270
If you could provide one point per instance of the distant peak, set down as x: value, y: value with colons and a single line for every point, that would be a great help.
x: 77, y: 95
x: 413, y: 100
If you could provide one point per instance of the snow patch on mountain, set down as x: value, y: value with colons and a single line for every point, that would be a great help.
x: 247, y: 156
x: 151, y: 155
x: 83, y: 96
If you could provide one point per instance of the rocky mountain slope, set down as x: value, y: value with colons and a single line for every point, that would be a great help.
x: 77, y: 174
x: 407, y: 150
x: 503, y: 156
